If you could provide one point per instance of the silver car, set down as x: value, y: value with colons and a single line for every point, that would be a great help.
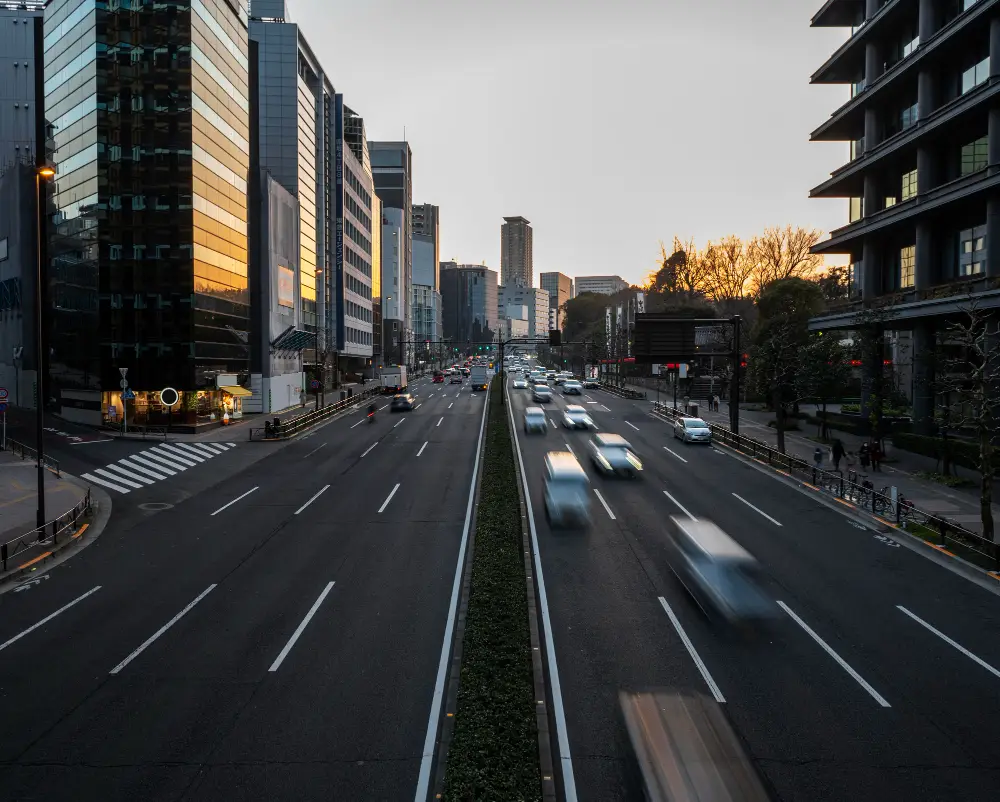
x: 535, y: 421
x: 541, y: 393
x: 692, y: 430
x: 520, y: 384
x: 567, y: 490
x: 612, y: 455
x: 576, y: 417
x: 572, y: 387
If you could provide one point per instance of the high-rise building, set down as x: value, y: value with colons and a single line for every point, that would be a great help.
x: 534, y: 302
x: 22, y: 123
x: 149, y: 108
x: 426, y: 308
x: 560, y: 290
x: 922, y: 183
x: 394, y: 295
x: 469, y: 303
x: 377, y: 347
x: 603, y: 285
x: 516, y: 266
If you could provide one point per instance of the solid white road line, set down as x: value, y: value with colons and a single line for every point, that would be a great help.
x: 947, y: 640
x: 399, y: 422
x: 320, y: 493
x: 370, y: 448
x: 756, y: 509
x: 116, y: 470
x: 632, y: 425
x: 315, y: 450
x: 421, y: 451
x: 389, y: 498
x: 438, y: 423
x: 114, y: 477
x: 139, y: 469
x: 427, y: 756
x: 694, y: 653
x: 607, y: 509
x: 231, y: 503
x: 48, y: 618
x: 671, y: 451
x: 680, y: 506
x: 161, y: 630
x: 302, y: 625
x: 98, y: 481
x: 840, y: 661
x: 143, y: 459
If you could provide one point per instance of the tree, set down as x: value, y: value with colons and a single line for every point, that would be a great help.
x: 726, y: 268
x: 680, y: 272
x: 824, y: 371
x: 834, y: 284
x: 781, y: 253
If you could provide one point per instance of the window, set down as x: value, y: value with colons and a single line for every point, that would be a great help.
x: 972, y: 251
x: 909, y: 185
x: 974, y: 156
x: 857, y: 209
x: 857, y: 148
x: 858, y: 87
x: 907, y: 266
x: 890, y: 200
x: 910, y: 46
x: 975, y: 75
x: 908, y: 117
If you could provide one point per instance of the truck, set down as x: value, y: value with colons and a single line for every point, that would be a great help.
x: 479, y: 377
x: 393, y: 379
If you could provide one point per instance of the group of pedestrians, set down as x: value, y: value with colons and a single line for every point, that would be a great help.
x: 868, y: 454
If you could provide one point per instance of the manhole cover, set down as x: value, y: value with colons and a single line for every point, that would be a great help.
x: 155, y: 506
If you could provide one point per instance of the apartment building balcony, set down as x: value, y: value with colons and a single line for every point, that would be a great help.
x: 848, y: 60
x: 839, y: 14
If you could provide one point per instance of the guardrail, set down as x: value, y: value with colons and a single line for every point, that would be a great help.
x: 622, y: 392
x: 40, y: 535
x: 855, y: 489
x: 19, y: 449
x: 285, y: 429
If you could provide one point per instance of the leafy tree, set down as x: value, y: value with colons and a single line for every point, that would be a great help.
x: 834, y: 284
x: 824, y: 371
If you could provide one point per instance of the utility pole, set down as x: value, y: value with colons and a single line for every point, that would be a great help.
x: 734, y: 390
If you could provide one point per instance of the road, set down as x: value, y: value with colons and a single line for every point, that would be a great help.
x: 854, y: 691
x: 275, y: 636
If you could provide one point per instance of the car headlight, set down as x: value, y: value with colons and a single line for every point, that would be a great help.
x: 633, y: 460
x: 603, y: 460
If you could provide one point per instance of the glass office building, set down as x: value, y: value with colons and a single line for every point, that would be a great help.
x: 148, y: 106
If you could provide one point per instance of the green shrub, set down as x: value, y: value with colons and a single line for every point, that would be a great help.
x: 962, y: 452
x: 948, y: 481
x: 851, y: 408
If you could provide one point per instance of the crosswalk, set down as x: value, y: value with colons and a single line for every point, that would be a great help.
x: 136, y: 471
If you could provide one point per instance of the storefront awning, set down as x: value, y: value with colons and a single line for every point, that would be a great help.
x: 236, y: 390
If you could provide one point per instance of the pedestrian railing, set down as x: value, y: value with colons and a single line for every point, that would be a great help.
x: 622, y: 392
x: 855, y: 489
x: 283, y: 429
x: 19, y: 449
x: 48, y: 534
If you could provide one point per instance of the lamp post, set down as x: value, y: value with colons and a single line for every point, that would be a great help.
x: 41, y: 172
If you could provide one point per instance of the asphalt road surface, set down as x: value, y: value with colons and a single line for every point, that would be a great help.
x: 276, y: 635
x: 879, y: 680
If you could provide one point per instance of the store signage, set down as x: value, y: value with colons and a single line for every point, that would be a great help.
x: 169, y: 397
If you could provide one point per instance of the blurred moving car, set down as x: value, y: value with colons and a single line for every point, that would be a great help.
x: 438, y: 378
x: 567, y: 490
x: 692, y: 430
x: 456, y: 379
x: 572, y: 387
x: 576, y: 417
x: 541, y: 393
x: 535, y: 420
x: 722, y: 577
x: 612, y: 454
x: 403, y: 402
x: 687, y: 750
x: 520, y: 384
x: 591, y: 384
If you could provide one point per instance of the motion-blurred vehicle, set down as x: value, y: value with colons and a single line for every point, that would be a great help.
x: 456, y: 379
x: 541, y: 393
x: 465, y: 371
x: 550, y: 375
x: 438, y: 378
x: 687, y: 750
x: 535, y: 420
x: 722, y: 576
x: 591, y: 384
x: 612, y: 455
x: 567, y: 490
x: 576, y: 417
x: 393, y: 379
x: 520, y: 384
x: 692, y: 430
x: 402, y: 402
x: 480, y: 377
x: 572, y: 387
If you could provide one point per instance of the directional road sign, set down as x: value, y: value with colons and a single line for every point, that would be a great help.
x: 3, y: 406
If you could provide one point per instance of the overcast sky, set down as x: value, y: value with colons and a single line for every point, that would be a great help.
x: 609, y: 124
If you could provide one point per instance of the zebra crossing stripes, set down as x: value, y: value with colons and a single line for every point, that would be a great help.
x: 153, y: 465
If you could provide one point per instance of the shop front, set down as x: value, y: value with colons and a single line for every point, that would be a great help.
x: 194, y: 407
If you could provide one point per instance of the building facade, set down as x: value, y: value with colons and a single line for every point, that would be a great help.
x: 516, y: 252
x: 469, y: 303
x: 22, y: 123
x: 394, y: 295
x: 426, y: 306
x: 922, y: 183
x: 147, y: 262
x: 560, y: 290
x: 533, y: 300
x: 602, y: 285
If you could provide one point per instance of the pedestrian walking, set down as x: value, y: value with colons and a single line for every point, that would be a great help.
x: 864, y: 456
x: 837, y: 452
x: 818, y: 457
x: 717, y: 403
x: 876, y: 453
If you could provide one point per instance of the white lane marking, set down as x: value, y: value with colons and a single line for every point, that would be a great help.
x: 671, y: 451
x: 223, y: 446
x: 320, y: 493
x: 569, y: 448
x: 118, y: 470
x: 162, y: 629
x: 389, y: 498
x: 139, y: 469
x: 399, y: 422
x: 552, y: 421
x: 98, y: 481
x: 144, y: 459
x: 359, y: 423
x: 632, y: 425
x: 693, y: 652
x: 451, y: 405
x: 370, y: 448
x: 231, y: 503
x: 680, y: 506
x: 757, y: 509
x: 418, y: 405
x: 162, y: 459
x: 48, y: 618
x: 829, y: 650
x: 116, y: 478
x: 381, y: 408
x: 169, y: 454
x: 231, y: 445
x: 315, y: 450
x: 605, y: 408
x: 591, y: 402
x: 195, y: 454
x: 438, y: 423
x: 607, y: 509
x: 947, y: 640
x: 427, y: 756
x: 206, y: 448
x: 301, y: 627
x: 421, y: 451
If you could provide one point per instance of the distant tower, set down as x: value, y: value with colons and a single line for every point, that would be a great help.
x: 516, y: 265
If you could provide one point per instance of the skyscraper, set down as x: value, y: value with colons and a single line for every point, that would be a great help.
x: 516, y: 265
x: 560, y: 290
x: 469, y: 302
x: 426, y: 301
x: 22, y: 118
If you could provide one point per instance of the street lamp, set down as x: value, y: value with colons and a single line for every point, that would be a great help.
x: 45, y: 172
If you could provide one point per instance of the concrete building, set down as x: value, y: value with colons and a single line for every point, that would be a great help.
x: 516, y: 265
x: 426, y: 306
x: 560, y: 290
x: 377, y: 328
x: 533, y: 300
x: 923, y: 181
x: 394, y: 295
x: 21, y: 88
x: 469, y: 303
x: 603, y: 285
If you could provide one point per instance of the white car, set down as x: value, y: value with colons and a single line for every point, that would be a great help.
x: 520, y: 384
x: 534, y: 420
x: 542, y: 394
x: 576, y: 417
x: 693, y: 430
x: 572, y: 387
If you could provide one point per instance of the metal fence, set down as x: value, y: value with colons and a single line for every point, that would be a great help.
x: 283, y: 429
x: 856, y: 489
x: 623, y: 392
x: 48, y: 534
x: 19, y: 449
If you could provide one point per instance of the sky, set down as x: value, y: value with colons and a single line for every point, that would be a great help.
x: 609, y: 124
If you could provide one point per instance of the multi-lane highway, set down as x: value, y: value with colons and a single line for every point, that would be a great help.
x: 276, y: 636
x: 880, y: 679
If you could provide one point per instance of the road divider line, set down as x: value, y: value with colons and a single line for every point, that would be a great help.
x: 359, y: 423
x: 680, y: 506
x: 949, y: 641
x: 706, y: 675
x: 451, y: 405
x: 438, y: 423
x: 389, y: 498
x: 163, y: 629
x: 632, y: 425
x: 381, y: 408
x: 421, y: 451
x: 316, y: 449
x: 418, y: 405
x: 231, y: 503
x: 302, y: 624
x: 399, y: 422
x: 607, y: 509
x: 569, y: 448
x: 368, y: 450
x: 829, y: 650
x: 671, y: 451
x: 320, y: 493
x: 757, y: 509
x: 48, y: 618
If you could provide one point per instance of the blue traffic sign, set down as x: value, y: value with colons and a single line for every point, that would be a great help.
x: 3, y: 407
x: 128, y: 395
